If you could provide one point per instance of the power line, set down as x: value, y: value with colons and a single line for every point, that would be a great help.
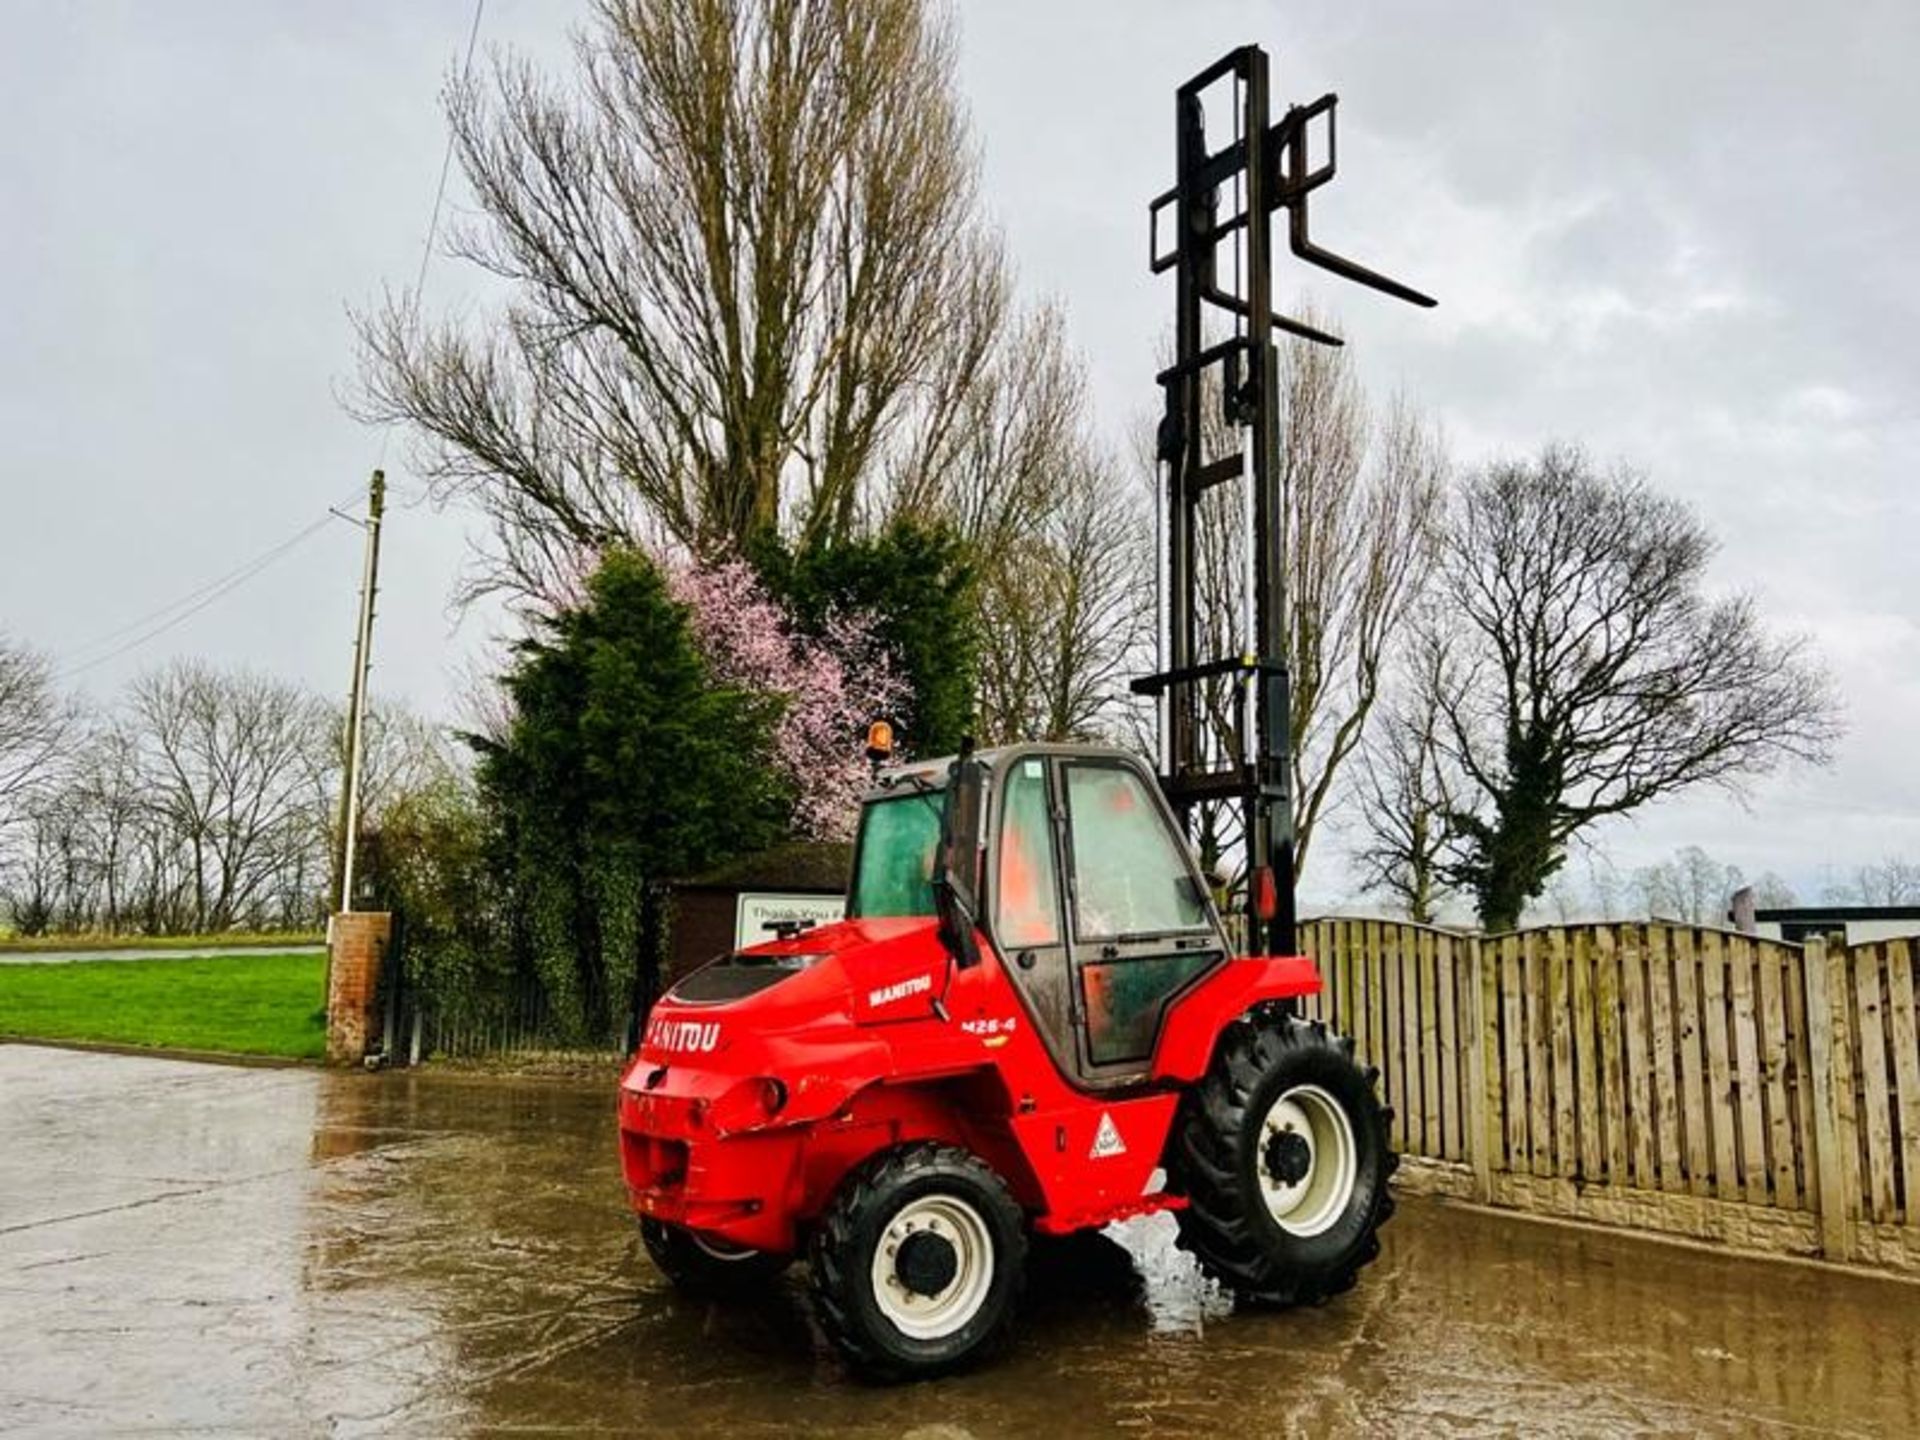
x: 109, y: 636
x: 157, y: 622
x: 439, y: 200
x: 446, y: 156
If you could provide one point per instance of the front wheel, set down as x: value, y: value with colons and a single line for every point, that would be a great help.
x: 1283, y: 1156
x: 918, y: 1262
x: 708, y: 1268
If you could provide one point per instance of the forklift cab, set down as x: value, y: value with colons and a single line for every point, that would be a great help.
x: 1069, y: 861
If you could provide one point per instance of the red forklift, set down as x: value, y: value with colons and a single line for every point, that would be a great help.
x: 1033, y: 1019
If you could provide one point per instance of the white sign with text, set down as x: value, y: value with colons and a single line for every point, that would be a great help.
x: 755, y: 915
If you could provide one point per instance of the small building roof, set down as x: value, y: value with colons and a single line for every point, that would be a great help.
x: 1793, y: 913
x: 806, y: 866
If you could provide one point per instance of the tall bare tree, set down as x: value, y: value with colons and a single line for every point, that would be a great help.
x: 1361, y: 547
x: 747, y: 281
x: 43, y: 871
x: 1060, y: 541
x: 1005, y: 450
x: 1065, y: 614
x: 1588, y: 673
x: 1405, y: 788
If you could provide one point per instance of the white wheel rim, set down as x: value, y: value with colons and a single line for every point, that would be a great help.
x: 933, y: 1317
x: 719, y: 1249
x: 1311, y: 1203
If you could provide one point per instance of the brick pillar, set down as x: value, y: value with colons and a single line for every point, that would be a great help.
x: 357, y: 947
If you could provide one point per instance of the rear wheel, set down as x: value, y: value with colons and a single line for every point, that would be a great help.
x: 1283, y: 1155
x: 918, y: 1262
x: 701, y: 1265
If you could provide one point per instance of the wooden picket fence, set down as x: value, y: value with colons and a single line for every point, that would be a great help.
x: 1682, y: 1079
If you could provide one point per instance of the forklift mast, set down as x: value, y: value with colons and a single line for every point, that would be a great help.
x: 1265, y: 166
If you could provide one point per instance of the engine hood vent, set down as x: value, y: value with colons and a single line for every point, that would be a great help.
x: 738, y: 975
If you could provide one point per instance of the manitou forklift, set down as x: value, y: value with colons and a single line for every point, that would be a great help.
x: 1032, y: 1019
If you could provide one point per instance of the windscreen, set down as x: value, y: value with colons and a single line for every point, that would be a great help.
x: 893, y: 872
x: 1131, y: 876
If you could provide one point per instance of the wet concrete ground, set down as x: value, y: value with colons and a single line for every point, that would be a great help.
x: 193, y: 1248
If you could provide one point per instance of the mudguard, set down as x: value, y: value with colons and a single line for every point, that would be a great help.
x: 1194, y: 1022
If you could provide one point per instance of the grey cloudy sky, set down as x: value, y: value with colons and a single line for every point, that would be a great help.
x: 1683, y: 234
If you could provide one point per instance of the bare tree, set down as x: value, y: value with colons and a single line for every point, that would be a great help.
x: 1561, y: 902
x: 1694, y: 887
x: 1894, y: 880
x: 748, y: 282
x: 228, y: 761
x: 106, y: 792
x: 203, y: 802
x: 1063, y: 616
x: 1060, y: 543
x: 40, y: 878
x: 1405, y: 789
x: 35, y: 722
x: 1606, y: 886
x: 1589, y: 674
x: 1002, y: 451
x: 1691, y: 887
x: 76, y: 861
x: 1352, y: 551
x: 401, y: 755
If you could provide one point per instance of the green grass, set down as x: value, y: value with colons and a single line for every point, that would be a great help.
x: 249, y: 1005
x: 26, y: 944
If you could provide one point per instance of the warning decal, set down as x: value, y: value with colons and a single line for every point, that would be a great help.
x: 1106, y: 1140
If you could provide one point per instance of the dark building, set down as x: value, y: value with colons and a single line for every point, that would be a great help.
x: 706, y: 913
x: 1844, y: 924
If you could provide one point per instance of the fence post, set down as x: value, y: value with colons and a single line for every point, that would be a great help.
x: 1481, y: 1120
x: 1832, y: 1080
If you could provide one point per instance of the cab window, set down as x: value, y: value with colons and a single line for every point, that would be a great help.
x: 1130, y: 877
x: 1026, y: 882
x: 893, y: 866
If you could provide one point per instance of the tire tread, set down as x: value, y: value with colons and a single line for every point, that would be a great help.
x: 834, y: 1245
x: 1205, y: 1159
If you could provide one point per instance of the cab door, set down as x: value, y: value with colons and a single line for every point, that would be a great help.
x: 1028, y: 907
x: 1140, y: 928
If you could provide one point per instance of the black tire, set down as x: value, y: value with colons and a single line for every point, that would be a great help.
x: 927, y: 1180
x: 706, y: 1269
x: 1223, y: 1159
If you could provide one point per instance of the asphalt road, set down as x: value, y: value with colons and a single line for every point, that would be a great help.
x: 62, y: 957
x: 215, y: 1250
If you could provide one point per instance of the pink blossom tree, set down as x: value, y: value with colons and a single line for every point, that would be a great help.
x: 830, y: 686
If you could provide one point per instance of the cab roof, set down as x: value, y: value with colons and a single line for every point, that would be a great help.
x: 932, y: 774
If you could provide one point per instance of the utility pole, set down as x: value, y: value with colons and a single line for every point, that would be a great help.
x: 357, y: 703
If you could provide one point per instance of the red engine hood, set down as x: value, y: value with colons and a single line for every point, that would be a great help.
x: 822, y: 1028
x: 845, y: 976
